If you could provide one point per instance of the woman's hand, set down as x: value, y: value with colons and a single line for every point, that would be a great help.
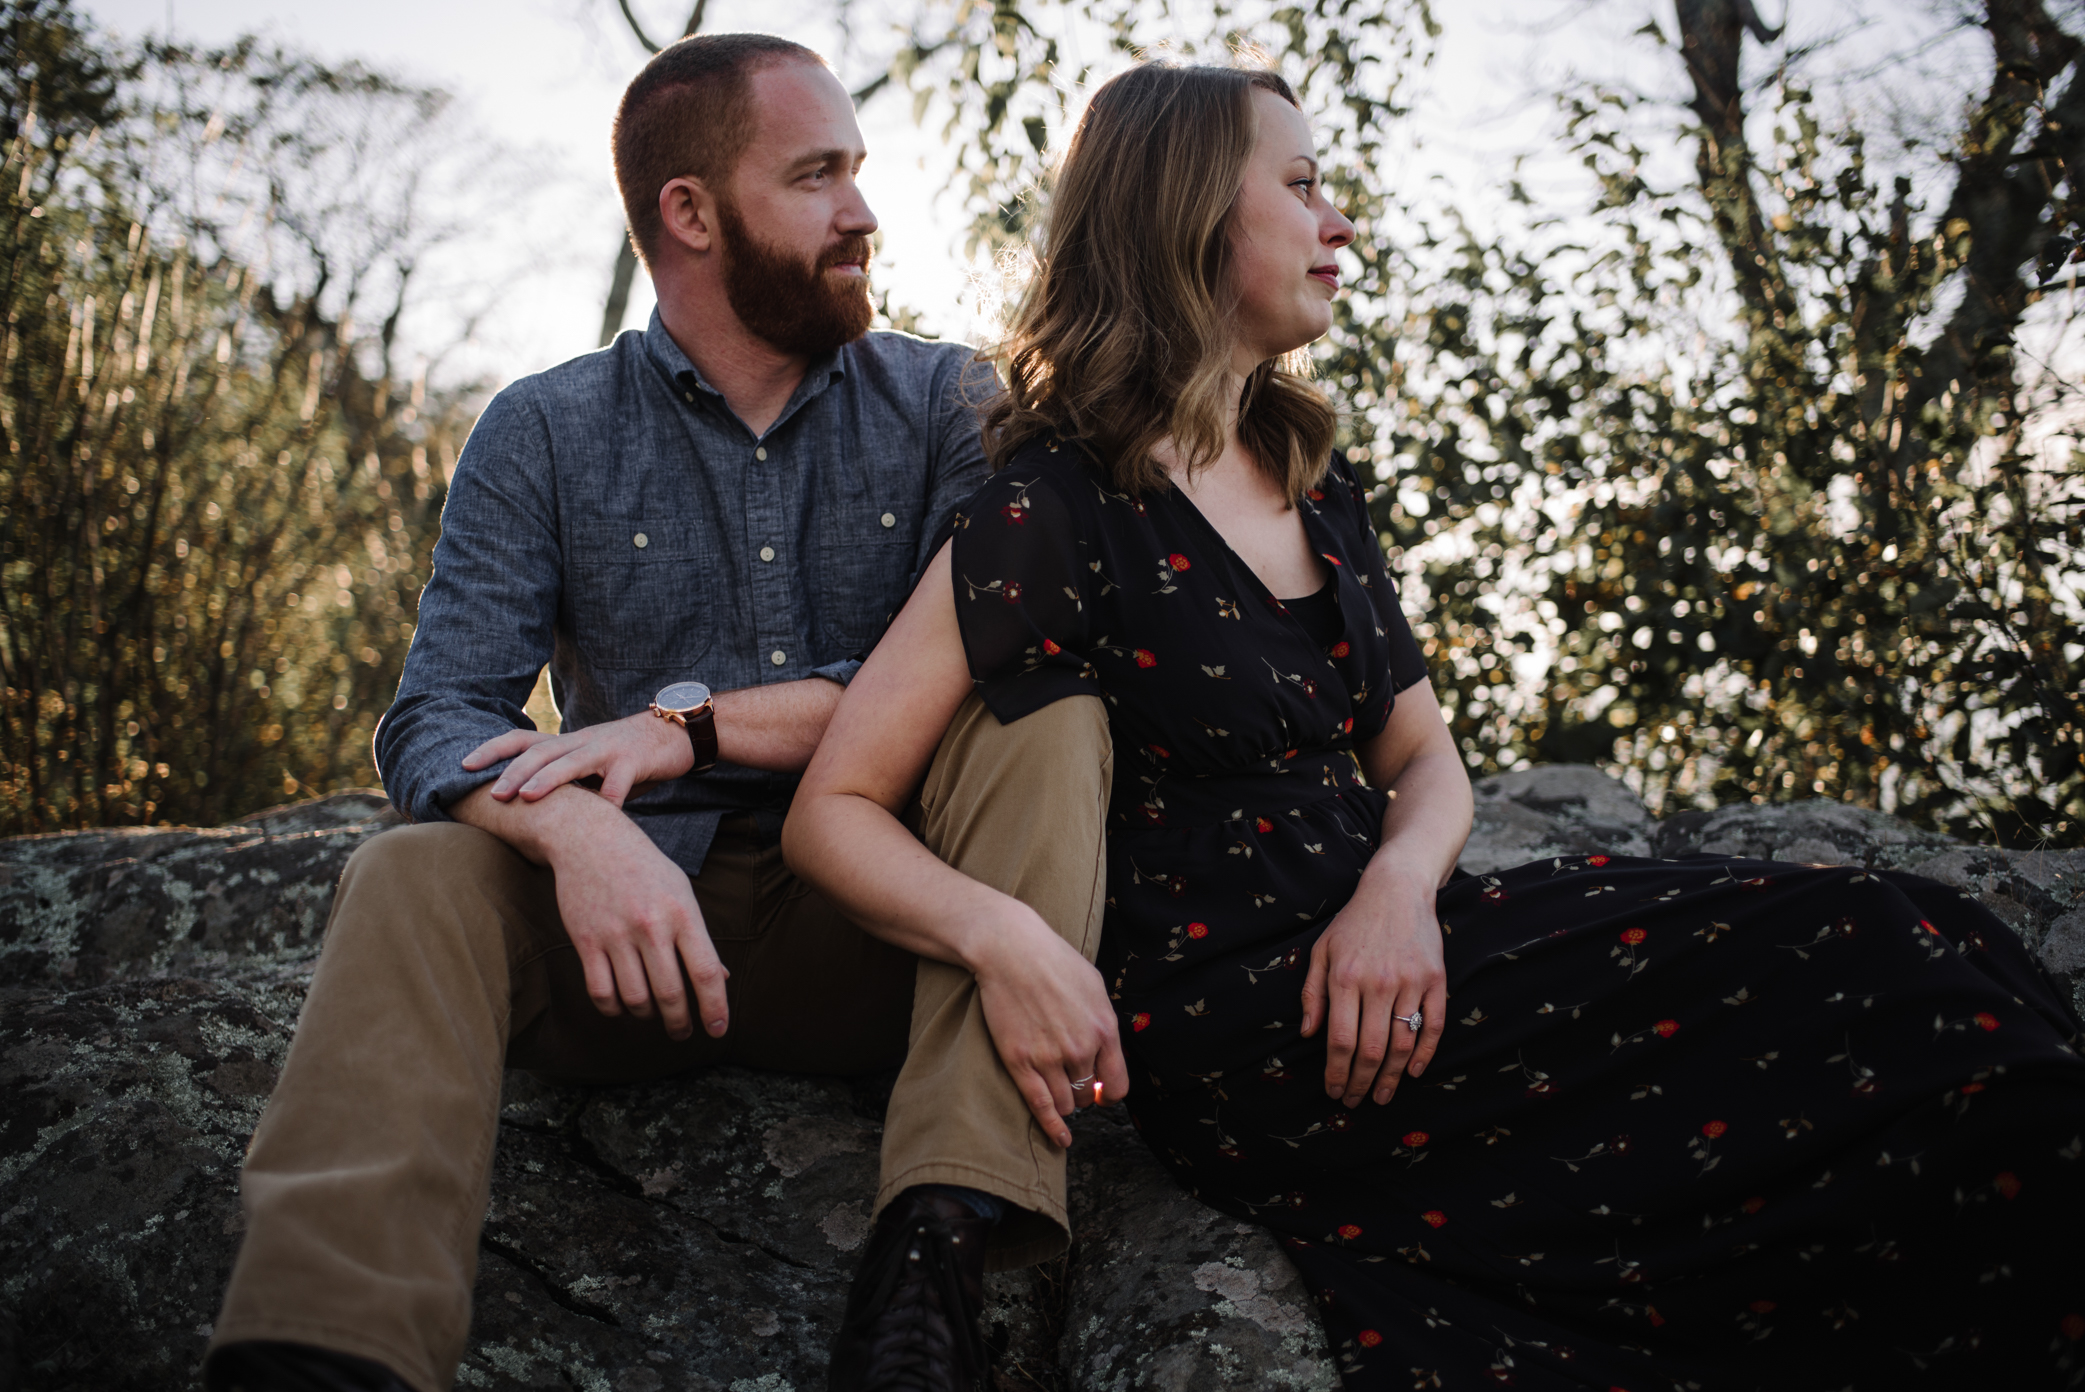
x: 637, y: 749
x: 1050, y: 1018
x: 1379, y: 959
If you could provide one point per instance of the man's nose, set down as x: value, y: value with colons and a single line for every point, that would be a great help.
x: 855, y: 217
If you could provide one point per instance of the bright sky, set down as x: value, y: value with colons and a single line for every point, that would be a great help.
x: 544, y: 76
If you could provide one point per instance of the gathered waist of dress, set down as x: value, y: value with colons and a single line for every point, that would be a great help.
x: 1275, y: 786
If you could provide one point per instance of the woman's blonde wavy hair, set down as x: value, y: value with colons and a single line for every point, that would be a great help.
x: 1123, y: 337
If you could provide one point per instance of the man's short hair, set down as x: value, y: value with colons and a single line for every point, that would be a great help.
x: 689, y: 115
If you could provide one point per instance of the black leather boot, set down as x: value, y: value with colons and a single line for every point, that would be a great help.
x: 275, y: 1367
x: 911, y: 1322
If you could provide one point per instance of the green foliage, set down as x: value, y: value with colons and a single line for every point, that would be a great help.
x: 216, y: 491
x: 1724, y: 495
x: 1740, y: 560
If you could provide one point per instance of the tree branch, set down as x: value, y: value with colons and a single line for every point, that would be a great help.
x: 1711, y: 41
x: 1995, y: 221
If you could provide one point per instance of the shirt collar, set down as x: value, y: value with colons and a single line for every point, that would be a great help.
x: 823, y: 372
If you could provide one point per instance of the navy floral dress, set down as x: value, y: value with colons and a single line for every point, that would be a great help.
x: 1708, y: 1123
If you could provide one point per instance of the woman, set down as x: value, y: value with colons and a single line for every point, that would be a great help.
x: 1709, y: 1123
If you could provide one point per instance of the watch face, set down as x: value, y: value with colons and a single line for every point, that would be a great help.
x: 682, y: 696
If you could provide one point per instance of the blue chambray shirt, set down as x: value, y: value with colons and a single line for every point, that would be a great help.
x: 611, y: 517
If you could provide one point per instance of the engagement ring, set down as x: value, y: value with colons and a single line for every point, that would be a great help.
x: 1411, y: 1022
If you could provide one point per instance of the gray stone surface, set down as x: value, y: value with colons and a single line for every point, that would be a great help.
x: 692, y: 1234
x: 1554, y: 810
x: 85, y: 908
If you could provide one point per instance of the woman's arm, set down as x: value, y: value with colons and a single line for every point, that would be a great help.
x: 1380, y: 958
x: 1046, y: 1005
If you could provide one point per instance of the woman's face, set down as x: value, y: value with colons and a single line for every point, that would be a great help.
x: 1283, y: 234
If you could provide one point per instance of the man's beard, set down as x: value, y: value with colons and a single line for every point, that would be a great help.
x: 792, y: 303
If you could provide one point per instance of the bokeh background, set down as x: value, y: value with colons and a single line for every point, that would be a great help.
x: 1715, y: 360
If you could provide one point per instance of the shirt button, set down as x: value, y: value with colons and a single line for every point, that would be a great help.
x: 687, y: 396
x: 640, y: 541
x: 760, y: 453
x: 889, y: 519
x: 767, y: 553
x: 778, y: 657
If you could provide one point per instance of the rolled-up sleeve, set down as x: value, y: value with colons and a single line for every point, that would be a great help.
x: 487, y: 618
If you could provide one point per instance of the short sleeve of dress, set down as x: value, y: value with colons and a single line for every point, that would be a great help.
x: 1407, y: 663
x: 1021, y: 593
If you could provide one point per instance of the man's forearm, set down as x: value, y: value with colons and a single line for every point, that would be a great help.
x: 776, y: 728
x: 535, y: 829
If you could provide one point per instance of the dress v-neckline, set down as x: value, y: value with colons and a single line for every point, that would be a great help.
x: 1312, y: 523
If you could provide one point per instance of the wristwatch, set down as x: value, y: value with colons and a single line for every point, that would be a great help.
x: 688, y: 704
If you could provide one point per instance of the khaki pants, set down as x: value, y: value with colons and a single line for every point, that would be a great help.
x: 445, y: 961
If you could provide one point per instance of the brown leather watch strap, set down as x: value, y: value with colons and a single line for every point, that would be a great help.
x: 702, y: 734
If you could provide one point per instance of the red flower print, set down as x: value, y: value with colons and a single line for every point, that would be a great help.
x: 1198, y: 930
x: 1346, y: 727
x: 1494, y: 893
x: 1433, y: 1217
x: 1145, y: 659
x: 1972, y: 1087
x: 1341, y: 648
x: 1178, y: 562
x: 1012, y: 592
x: 1340, y: 1121
x: 2072, y: 1327
x: 1014, y: 513
x: 1350, y: 1231
x: 2007, y: 1184
x: 1330, y: 557
x: 1666, y: 1029
x: 1620, y: 1145
x: 1656, y: 1318
x: 1368, y: 1338
x: 1140, y: 1021
x: 1596, y: 860
x: 1288, y: 754
x: 1152, y: 815
x: 1159, y: 750
x: 1316, y: 495
x: 1262, y: 825
x: 1985, y: 1020
x: 1754, y: 1204
x: 1713, y: 1129
x: 1051, y: 648
x: 1633, y: 936
x: 1929, y: 927
x: 1762, y: 1307
x: 1416, y: 1138
x: 1310, y: 688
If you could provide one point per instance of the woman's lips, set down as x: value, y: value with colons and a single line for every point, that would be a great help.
x: 1328, y: 274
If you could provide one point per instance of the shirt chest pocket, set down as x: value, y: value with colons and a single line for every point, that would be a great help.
x: 640, y: 594
x: 864, y: 566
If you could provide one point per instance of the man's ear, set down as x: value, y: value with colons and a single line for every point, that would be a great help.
x: 688, y: 212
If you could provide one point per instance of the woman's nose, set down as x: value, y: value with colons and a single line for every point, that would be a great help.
x: 1337, y: 230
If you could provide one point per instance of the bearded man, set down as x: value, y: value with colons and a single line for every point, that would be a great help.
x: 735, y: 499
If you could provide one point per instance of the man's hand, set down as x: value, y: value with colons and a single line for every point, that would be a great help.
x: 630, y: 912
x: 1050, y: 1018
x: 1379, y: 959
x: 634, y: 751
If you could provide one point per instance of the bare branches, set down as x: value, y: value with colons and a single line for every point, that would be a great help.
x: 630, y: 17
